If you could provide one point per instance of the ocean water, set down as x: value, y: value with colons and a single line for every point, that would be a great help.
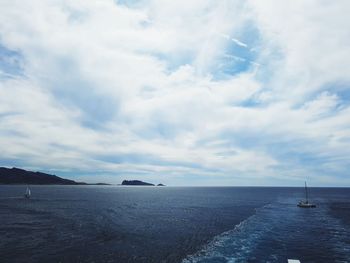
x: 173, y: 224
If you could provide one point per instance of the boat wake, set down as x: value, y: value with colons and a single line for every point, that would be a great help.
x: 279, y: 231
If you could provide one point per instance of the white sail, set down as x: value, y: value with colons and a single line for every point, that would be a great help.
x: 27, y: 193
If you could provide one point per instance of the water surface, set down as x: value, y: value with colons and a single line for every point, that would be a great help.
x: 172, y: 224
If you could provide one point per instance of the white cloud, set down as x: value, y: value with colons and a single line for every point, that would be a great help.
x: 310, y: 42
x: 239, y: 43
x: 117, y: 89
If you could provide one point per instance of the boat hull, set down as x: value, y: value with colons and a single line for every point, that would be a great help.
x: 307, y: 205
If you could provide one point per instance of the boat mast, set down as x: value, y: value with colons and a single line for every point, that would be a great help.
x: 307, y: 198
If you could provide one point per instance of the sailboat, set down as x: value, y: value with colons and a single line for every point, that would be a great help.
x: 27, y: 193
x: 305, y: 203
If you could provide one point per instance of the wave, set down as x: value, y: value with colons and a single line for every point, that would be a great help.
x: 279, y: 231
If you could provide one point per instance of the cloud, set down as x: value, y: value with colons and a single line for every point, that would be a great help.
x: 118, y: 89
x: 239, y: 43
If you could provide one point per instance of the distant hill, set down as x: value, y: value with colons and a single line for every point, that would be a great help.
x: 20, y: 176
x: 135, y: 182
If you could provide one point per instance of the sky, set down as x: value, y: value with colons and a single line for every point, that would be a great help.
x: 195, y: 92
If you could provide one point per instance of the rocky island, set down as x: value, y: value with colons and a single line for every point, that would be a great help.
x: 136, y: 182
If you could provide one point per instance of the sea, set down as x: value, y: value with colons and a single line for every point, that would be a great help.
x: 173, y: 224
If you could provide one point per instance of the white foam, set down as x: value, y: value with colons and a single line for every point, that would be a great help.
x: 278, y: 222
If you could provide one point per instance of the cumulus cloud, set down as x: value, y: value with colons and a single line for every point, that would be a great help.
x: 159, y: 90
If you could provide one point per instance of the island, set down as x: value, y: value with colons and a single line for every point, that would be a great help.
x: 160, y: 185
x: 20, y: 176
x: 136, y: 182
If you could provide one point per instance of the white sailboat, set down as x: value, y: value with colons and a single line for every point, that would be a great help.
x: 305, y: 203
x: 27, y: 194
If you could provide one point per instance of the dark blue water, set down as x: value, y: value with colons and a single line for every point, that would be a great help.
x: 170, y: 224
